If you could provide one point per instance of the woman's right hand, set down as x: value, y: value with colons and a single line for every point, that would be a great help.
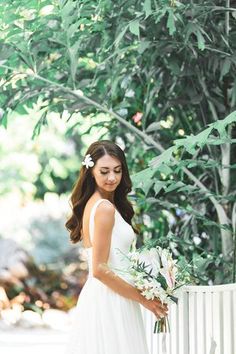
x: 160, y: 310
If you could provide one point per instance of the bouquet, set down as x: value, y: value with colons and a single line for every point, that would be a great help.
x: 155, y: 274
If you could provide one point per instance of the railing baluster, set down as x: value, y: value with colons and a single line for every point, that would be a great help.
x: 192, y: 320
x: 174, y: 330
x: 208, y: 321
x: 227, y: 323
x: 217, y: 335
x: 200, y: 323
x: 233, y: 305
x: 183, y: 324
x: 203, y: 322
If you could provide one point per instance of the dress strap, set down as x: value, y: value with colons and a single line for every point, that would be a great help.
x: 91, y: 217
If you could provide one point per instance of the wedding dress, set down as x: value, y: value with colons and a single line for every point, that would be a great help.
x: 104, y: 321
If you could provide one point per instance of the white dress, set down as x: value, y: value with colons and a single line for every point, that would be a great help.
x: 106, y: 322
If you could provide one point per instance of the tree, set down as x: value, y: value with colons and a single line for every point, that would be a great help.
x: 167, y: 173
x: 161, y: 69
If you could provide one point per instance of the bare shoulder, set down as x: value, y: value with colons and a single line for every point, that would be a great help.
x: 105, y: 210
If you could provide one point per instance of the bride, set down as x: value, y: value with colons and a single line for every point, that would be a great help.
x: 108, y: 317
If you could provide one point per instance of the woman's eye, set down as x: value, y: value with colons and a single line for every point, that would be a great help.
x: 104, y: 173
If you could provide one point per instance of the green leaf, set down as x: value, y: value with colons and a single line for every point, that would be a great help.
x: 200, y: 40
x: 3, y: 120
x: 220, y: 125
x: 163, y: 157
x: 201, y: 263
x: 120, y: 36
x: 171, y: 22
x: 68, y: 9
x: 201, y: 138
x: 192, y: 164
x: 193, y: 28
x: 160, y: 13
x: 21, y: 109
x: 192, y: 141
x: 153, y: 127
x: 158, y: 186
x: 134, y: 27
x: 42, y: 121
x: 143, y: 179
x: 218, y: 141
x: 5, y: 52
x: 190, y: 28
x: 188, y: 189
x: 143, y: 46
x: 225, y: 67
x: 229, y: 119
x: 174, y: 185
x: 166, y: 170
x: 72, y: 29
x: 147, y: 7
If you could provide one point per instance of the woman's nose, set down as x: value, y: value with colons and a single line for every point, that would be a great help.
x: 111, y: 177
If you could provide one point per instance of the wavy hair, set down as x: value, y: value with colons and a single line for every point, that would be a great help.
x: 85, y: 186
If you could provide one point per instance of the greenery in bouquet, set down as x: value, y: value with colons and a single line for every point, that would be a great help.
x: 157, y: 275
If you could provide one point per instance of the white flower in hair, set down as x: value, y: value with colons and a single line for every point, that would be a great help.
x: 88, y: 162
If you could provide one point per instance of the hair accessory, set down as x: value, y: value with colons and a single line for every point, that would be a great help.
x: 88, y: 162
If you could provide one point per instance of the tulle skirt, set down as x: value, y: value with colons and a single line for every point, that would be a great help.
x: 106, y: 323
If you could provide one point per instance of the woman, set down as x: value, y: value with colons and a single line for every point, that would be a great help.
x: 108, y: 316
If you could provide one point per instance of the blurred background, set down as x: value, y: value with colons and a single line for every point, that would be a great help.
x: 157, y: 78
x: 41, y: 273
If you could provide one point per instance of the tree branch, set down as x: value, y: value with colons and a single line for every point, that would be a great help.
x: 227, y: 18
x: 227, y: 245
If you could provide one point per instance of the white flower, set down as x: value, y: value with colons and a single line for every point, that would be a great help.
x: 88, y: 162
x: 148, y: 294
x: 158, y: 262
x: 150, y: 258
x: 170, y: 275
x: 169, y: 269
x: 155, y: 261
x: 162, y: 295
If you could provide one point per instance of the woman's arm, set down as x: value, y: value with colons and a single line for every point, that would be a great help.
x: 103, y: 225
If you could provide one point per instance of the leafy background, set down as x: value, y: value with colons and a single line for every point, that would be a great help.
x: 157, y: 77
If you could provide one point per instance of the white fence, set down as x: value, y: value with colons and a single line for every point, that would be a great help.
x: 203, y: 322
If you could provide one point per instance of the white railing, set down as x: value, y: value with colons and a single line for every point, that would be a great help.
x: 203, y: 322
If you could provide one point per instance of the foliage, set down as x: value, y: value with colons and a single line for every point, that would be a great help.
x: 32, y: 168
x: 160, y: 58
x: 193, y: 218
x: 162, y: 69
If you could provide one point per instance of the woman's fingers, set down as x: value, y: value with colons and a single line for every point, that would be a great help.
x: 162, y: 305
x: 161, y: 309
x: 160, y: 314
x: 157, y: 307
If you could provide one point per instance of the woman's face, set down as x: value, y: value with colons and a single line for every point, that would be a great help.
x: 107, y: 173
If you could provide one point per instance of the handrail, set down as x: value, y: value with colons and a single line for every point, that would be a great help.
x: 209, y: 288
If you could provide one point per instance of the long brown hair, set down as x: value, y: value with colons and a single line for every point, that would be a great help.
x: 85, y: 186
